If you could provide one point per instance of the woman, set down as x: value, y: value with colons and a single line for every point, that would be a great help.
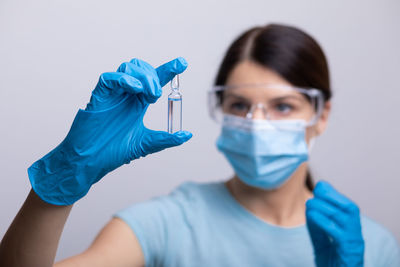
x: 272, y: 97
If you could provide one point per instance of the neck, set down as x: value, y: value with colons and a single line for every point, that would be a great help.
x: 284, y: 206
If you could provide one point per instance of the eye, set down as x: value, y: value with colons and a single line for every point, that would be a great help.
x: 283, y: 108
x: 239, y: 107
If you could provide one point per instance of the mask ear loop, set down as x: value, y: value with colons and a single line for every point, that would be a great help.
x: 311, y: 144
x: 312, y: 141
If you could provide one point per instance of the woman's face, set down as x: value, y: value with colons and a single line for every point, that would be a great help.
x: 280, y: 104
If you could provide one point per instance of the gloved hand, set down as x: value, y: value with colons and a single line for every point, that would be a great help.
x: 108, y: 133
x: 333, y: 222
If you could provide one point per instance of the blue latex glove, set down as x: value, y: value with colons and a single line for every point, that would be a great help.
x: 333, y: 222
x: 108, y: 133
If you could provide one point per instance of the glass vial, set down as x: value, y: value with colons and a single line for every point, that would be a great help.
x: 175, y: 107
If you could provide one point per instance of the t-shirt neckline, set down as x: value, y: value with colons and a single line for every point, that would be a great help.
x: 247, y: 215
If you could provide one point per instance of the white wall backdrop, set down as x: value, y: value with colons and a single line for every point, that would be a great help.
x: 52, y: 52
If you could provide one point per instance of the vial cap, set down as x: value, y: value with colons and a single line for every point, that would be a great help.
x: 175, y: 82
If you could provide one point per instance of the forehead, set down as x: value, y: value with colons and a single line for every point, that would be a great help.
x: 249, y: 72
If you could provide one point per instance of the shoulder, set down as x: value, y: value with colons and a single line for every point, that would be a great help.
x: 375, y: 232
x: 199, y: 191
x: 380, y: 244
x: 182, y: 201
x: 155, y: 221
x: 195, y: 197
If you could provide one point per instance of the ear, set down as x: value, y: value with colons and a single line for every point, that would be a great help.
x: 323, y: 120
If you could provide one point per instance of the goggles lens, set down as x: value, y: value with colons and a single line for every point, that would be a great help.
x: 270, y: 102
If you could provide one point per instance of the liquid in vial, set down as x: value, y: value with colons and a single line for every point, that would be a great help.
x: 175, y: 107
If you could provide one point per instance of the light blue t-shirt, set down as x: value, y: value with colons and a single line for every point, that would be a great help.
x: 203, y: 225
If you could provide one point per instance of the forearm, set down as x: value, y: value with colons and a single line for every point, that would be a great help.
x: 32, y: 238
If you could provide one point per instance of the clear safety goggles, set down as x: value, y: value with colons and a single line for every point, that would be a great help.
x: 272, y: 102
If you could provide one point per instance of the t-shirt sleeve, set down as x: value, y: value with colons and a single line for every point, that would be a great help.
x: 390, y: 251
x: 381, y: 247
x: 153, y: 222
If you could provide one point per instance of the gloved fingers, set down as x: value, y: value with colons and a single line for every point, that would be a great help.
x: 329, y: 210
x: 319, y: 238
x: 146, y: 74
x: 314, y: 228
x: 154, y: 141
x: 168, y: 70
x: 119, y: 83
x: 323, y: 190
x: 325, y: 224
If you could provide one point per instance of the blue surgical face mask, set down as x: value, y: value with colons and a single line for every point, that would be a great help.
x: 263, y: 153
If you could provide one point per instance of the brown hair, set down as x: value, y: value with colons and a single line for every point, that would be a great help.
x: 288, y: 51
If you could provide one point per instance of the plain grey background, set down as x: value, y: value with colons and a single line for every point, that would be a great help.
x: 52, y: 52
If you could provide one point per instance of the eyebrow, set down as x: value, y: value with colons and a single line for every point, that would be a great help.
x: 235, y: 95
